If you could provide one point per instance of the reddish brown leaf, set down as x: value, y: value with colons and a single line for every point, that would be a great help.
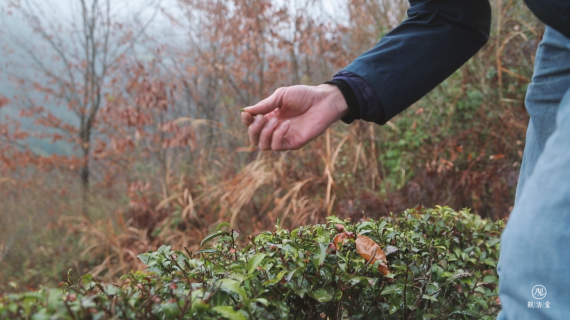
x: 371, y: 251
x: 339, y: 239
x: 331, y: 249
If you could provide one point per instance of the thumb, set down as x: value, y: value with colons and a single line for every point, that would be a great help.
x: 268, y: 104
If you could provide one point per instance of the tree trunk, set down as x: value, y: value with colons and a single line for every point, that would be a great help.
x: 84, y: 177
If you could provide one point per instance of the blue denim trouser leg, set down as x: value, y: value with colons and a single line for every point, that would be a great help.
x: 534, y: 277
x: 550, y: 81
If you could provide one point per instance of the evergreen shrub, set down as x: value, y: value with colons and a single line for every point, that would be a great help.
x: 440, y: 264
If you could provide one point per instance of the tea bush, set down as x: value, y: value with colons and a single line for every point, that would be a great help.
x: 442, y: 266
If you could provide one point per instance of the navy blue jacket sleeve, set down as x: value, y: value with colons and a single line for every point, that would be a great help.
x: 359, y: 96
x: 438, y: 37
x: 555, y: 13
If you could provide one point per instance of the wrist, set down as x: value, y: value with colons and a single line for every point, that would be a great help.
x: 336, y: 100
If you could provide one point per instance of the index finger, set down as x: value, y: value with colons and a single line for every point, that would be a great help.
x: 268, y: 104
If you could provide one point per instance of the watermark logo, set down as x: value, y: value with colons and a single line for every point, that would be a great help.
x: 539, y: 292
x: 538, y: 304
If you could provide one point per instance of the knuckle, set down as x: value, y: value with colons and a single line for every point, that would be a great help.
x: 281, y: 90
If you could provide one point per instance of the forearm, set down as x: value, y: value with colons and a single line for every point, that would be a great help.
x: 437, y: 38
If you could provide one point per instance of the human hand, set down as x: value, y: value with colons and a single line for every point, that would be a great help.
x: 293, y: 116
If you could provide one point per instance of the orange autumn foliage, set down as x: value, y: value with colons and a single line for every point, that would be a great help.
x: 371, y: 252
x: 339, y: 240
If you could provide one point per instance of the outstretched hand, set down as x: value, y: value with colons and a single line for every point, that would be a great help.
x: 293, y: 116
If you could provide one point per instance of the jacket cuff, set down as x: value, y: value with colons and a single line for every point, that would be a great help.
x: 350, y: 98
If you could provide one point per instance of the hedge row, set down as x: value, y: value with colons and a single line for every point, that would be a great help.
x: 440, y: 265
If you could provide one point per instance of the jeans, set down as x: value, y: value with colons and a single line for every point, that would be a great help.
x: 534, y: 267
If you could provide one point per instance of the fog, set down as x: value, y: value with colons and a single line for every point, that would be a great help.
x: 19, y: 43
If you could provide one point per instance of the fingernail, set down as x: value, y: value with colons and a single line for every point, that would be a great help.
x: 272, y: 122
x: 246, y: 108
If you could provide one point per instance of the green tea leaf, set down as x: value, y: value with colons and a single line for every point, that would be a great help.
x: 214, y: 235
x: 320, y: 257
x: 221, y: 225
x: 428, y: 297
x: 322, y: 295
x: 207, y: 251
x: 282, y: 308
x: 254, y: 262
x: 228, y: 312
x: 232, y: 286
